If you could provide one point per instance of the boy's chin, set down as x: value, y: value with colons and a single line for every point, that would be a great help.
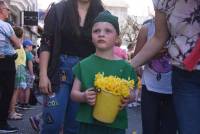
x: 103, y: 49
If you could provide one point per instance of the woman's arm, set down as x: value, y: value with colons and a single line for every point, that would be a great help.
x: 141, y: 40
x: 44, y: 84
x: 46, y: 46
x: 153, y: 46
x: 15, y: 41
x: 44, y: 59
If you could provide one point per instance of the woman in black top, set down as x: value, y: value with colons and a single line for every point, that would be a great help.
x: 65, y: 41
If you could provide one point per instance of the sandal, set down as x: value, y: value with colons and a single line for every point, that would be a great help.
x: 14, y: 116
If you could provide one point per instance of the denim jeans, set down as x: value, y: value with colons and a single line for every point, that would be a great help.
x: 59, y: 110
x: 186, y: 91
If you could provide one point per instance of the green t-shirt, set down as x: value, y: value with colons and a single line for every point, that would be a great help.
x: 85, y: 71
x: 29, y: 56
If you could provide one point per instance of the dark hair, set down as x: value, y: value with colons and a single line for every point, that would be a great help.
x: 72, y: 18
x: 18, y: 31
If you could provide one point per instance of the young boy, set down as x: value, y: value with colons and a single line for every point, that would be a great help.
x: 24, y: 98
x: 105, y: 32
x: 20, y: 77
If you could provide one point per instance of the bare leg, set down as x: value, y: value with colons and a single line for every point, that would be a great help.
x: 13, y: 101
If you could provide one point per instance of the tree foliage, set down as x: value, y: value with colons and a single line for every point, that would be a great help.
x: 130, y: 30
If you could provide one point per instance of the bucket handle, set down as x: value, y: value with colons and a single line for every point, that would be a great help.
x: 97, y: 90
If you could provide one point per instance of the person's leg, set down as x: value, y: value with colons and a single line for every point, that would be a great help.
x: 150, y: 111
x: 54, y: 109
x: 98, y: 129
x: 70, y: 124
x: 27, y: 95
x: 13, y: 115
x: 13, y: 101
x: 186, y: 94
x: 91, y: 129
x: 7, y: 78
x: 21, y: 84
x: 21, y: 96
x: 53, y: 117
x: 29, y: 82
x: 168, y: 117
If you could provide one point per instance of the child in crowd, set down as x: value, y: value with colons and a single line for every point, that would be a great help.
x: 105, y: 32
x: 24, y: 97
x: 158, y: 114
x: 20, y: 78
x: 119, y: 51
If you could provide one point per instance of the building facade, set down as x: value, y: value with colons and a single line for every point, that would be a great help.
x: 118, y: 8
x: 17, y: 8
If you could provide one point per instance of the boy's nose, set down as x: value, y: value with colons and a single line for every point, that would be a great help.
x: 102, y: 33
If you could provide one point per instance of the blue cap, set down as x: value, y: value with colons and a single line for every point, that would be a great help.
x: 27, y: 42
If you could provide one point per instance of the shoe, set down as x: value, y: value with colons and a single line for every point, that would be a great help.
x: 20, y: 106
x: 14, y: 116
x: 130, y: 105
x: 136, y: 104
x: 25, y: 106
x: 8, y: 129
x: 34, y: 123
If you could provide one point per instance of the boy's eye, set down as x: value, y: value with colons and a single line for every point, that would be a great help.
x: 96, y: 30
x: 105, y: 30
x: 108, y: 30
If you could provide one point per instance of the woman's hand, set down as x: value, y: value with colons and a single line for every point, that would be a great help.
x: 45, y: 85
x: 124, y: 102
x: 90, y: 96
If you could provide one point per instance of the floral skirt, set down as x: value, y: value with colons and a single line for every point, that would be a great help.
x: 20, y: 78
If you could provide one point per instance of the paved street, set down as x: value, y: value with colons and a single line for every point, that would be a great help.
x: 25, y: 127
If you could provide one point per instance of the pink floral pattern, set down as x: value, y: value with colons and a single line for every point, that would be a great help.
x: 183, y: 19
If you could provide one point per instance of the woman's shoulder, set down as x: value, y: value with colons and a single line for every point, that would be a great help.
x: 60, y: 4
x: 56, y: 7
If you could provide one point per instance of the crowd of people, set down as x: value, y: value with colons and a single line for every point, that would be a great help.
x: 85, y: 40
x: 16, y: 69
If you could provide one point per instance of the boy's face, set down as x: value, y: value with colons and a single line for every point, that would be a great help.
x: 104, y: 35
x: 30, y: 48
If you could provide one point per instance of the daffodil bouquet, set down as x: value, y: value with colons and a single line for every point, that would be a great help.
x: 113, y: 84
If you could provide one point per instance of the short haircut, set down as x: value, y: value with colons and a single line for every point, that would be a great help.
x: 18, y: 31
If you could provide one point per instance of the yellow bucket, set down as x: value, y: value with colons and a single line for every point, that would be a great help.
x: 106, y: 107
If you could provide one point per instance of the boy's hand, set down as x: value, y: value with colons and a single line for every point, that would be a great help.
x: 90, y: 96
x: 124, y: 102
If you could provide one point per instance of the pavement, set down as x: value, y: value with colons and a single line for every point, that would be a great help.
x: 134, y: 117
x: 24, y: 125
